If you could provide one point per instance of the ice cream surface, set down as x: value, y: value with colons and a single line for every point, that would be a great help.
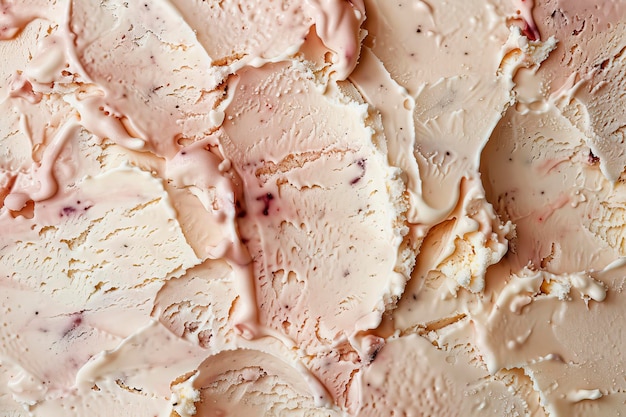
x: 312, y: 208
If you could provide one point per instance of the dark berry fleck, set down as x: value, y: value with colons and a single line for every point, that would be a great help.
x: 266, y: 199
x: 361, y: 164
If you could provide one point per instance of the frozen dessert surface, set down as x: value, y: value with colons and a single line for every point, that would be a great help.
x: 312, y: 208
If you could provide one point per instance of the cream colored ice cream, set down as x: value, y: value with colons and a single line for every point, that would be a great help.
x: 312, y: 208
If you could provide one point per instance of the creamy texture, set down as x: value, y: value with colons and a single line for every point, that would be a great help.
x: 312, y: 208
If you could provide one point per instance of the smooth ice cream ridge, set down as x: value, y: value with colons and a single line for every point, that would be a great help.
x: 325, y: 207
